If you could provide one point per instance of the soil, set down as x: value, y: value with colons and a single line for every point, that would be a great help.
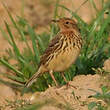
x: 39, y: 13
x: 76, y: 99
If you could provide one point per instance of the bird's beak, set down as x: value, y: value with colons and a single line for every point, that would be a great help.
x: 55, y: 21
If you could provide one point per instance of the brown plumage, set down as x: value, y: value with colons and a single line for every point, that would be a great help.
x: 62, y: 51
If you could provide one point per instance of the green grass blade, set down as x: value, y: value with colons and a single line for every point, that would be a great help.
x: 81, y: 5
x: 97, y: 21
x: 56, y: 9
x: 12, y: 85
x: 94, y: 5
x: 14, y: 78
x: 16, y: 50
x: 103, y: 26
x: 52, y: 32
x: 33, y: 37
x: 73, y: 14
x: 92, y: 31
x: 18, y: 29
x: 10, y: 67
x: 41, y: 45
x: 5, y: 35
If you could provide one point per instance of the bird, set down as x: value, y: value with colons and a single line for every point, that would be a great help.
x: 62, y: 51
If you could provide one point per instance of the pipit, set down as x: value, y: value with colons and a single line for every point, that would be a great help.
x: 62, y: 51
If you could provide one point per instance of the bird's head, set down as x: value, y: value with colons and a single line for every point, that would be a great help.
x: 66, y: 24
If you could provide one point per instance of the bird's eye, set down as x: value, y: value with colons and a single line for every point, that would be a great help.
x: 67, y: 22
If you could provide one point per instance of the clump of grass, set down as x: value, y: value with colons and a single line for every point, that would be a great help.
x: 104, y: 96
x: 94, y: 52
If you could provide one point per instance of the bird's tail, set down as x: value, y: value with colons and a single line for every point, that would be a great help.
x: 33, y: 78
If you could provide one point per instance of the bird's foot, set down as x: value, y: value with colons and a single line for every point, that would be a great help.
x: 69, y: 85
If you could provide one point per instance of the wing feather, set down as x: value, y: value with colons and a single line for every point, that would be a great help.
x: 52, y: 47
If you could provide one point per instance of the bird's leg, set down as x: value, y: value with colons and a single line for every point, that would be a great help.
x: 67, y: 83
x: 62, y: 73
x: 51, y: 74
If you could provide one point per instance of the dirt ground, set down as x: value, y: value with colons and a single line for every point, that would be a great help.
x: 77, y: 101
x: 39, y: 12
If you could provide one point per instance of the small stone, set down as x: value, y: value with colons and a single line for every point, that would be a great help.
x: 107, y: 65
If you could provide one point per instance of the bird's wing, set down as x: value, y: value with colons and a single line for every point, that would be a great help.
x: 55, y: 44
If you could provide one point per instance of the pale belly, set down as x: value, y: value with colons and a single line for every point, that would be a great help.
x: 64, y: 60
